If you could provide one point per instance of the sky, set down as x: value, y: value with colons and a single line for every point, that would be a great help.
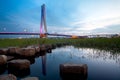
x: 79, y: 17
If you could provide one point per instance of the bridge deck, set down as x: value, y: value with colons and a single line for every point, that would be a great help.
x: 33, y: 33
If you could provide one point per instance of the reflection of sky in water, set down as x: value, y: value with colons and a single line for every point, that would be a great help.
x: 102, y: 65
x: 91, y: 54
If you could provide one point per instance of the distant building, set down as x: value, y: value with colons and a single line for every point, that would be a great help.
x: 103, y: 36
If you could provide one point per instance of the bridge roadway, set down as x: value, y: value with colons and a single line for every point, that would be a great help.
x: 33, y: 33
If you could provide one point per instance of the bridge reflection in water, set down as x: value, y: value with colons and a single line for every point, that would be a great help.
x: 102, y: 65
x: 44, y: 64
x: 77, y: 75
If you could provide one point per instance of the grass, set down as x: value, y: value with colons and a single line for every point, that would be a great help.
x: 100, y: 43
x: 28, y: 41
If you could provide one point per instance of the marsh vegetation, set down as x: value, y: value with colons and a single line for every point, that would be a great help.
x: 112, y: 44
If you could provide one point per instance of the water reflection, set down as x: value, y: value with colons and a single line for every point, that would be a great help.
x: 43, y: 64
x: 91, y: 54
x: 102, y: 65
x: 96, y: 54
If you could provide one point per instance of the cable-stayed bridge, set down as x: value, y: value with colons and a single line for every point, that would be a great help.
x: 43, y: 28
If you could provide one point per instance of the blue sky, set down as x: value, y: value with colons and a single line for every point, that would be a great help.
x: 78, y: 17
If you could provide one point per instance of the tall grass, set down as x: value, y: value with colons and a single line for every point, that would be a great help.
x: 26, y: 42
x: 101, y: 43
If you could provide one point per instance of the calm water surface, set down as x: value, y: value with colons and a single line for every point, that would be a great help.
x: 102, y: 65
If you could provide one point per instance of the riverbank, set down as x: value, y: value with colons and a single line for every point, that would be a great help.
x: 112, y: 44
x: 41, y: 60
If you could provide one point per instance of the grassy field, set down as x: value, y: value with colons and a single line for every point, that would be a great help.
x: 29, y: 41
x: 101, y: 43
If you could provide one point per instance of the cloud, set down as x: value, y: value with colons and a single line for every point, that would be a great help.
x: 94, y: 24
x: 96, y: 16
x: 108, y: 30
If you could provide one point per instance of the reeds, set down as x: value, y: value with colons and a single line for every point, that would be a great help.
x: 101, y: 43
